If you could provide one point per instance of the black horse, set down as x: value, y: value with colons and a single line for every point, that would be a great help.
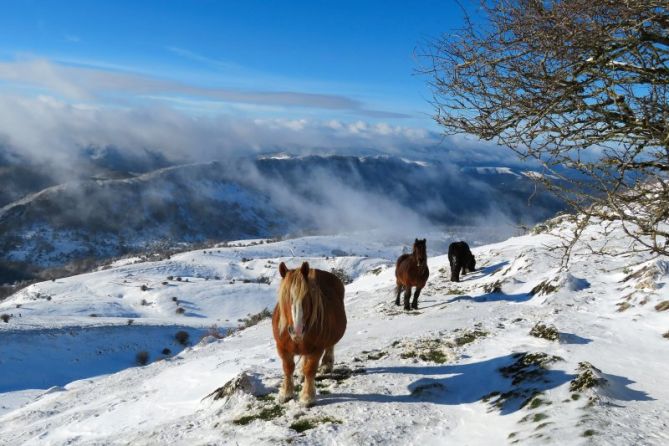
x: 461, y: 259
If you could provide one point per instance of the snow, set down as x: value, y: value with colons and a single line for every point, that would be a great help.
x: 69, y: 378
x: 494, y: 170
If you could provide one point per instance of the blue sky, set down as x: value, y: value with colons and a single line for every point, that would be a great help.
x: 359, y: 49
x: 306, y: 64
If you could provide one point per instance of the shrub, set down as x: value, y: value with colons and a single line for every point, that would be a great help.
x: 180, y: 310
x: 174, y: 299
x: 131, y: 321
x: 253, y: 319
x: 214, y: 332
x: 342, y: 275
x: 142, y: 357
x: 264, y: 279
x: 182, y: 337
x: 144, y: 288
x: 144, y: 302
x: 166, y: 351
x: 5, y: 318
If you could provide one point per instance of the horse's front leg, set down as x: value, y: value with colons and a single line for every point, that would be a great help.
x: 287, y: 390
x: 414, y: 303
x: 399, y: 291
x: 455, y: 272
x: 327, y: 363
x: 308, y: 394
x: 407, y: 296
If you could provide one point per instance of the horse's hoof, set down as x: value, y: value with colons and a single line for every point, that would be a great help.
x: 397, y: 302
x: 406, y: 308
x: 414, y: 307
x: 284, y: 398
x: 307, y: 402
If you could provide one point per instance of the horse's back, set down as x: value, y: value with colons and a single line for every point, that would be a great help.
x: 330, y: 285
x: 399, y: 265
x: 332, y: 289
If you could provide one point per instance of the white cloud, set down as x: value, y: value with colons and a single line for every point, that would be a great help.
x: 46, y: 127
x: 85, y: 83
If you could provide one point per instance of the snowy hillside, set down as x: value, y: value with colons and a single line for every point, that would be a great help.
x: 463, y: 369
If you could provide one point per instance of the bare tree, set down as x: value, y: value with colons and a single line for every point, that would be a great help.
x: 581, y: 86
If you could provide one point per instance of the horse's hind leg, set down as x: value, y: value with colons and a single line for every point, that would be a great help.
x: 398, y: 288
x: 414, y: 303
x: 287, y: 390
x: 327, y: 362
x: 308, y: 394
x: 407, y: 296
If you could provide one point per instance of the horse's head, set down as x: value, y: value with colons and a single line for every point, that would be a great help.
x: 300, y: 303
x: 420, y: 252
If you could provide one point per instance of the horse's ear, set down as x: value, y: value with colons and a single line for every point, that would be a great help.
x: 424, y: 240
x: 304, y: 269
x: 416, y: 241
x: 283, y: 269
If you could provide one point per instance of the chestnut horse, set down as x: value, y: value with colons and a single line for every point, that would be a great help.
x: 411, y: 270
x: 308, y: 320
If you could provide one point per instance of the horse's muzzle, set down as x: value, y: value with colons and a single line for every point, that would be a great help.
x: 295, y: 335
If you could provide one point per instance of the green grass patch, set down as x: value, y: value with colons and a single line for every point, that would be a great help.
x: 437, y: 356
x: 544, y: 287
x: 426, y: 389
x: 266, y: 414
x: 543, y: 331
x: 376, y: 355
x: 537, y: 417
x: 622, y: 306
x: 470, y: 336
x: 662, y: 306
x: 538, y: 402
x: 305, y: 424
x: 534, y: 418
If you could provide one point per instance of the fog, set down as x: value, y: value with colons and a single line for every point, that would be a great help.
x: 332, y: 176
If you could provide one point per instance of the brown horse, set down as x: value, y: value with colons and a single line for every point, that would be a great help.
x: 308, y: 320
x: 411, y: 270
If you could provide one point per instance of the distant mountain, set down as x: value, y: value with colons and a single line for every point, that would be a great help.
x: 106, y: 218
x: 445, y: 194
x: 130, y: 211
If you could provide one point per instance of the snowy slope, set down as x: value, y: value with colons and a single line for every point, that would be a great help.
x: 452, y: 372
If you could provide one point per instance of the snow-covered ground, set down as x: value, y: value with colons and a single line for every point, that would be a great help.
x: 463, y: 369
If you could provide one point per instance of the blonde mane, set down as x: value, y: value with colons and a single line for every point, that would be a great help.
x: 295, y: 284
